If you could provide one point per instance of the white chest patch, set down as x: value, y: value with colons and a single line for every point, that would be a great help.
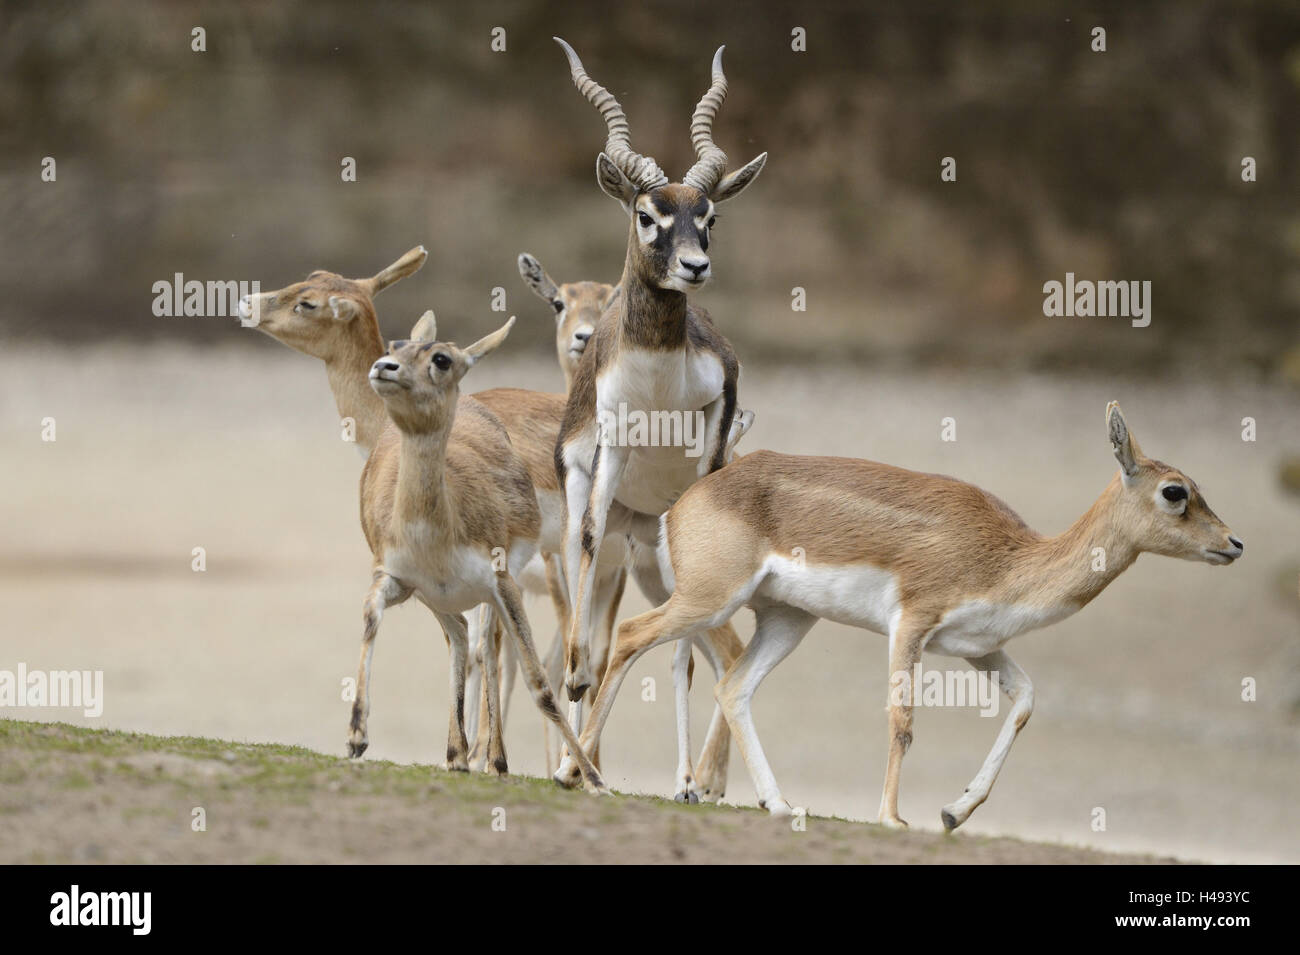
x: 453, y: 583
x: 860, y: 596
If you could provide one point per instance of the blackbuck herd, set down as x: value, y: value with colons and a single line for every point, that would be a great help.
x: 470, y: 501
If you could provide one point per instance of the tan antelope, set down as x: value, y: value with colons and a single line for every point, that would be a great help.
x: 450, y: 515
x: 333, y: 318
x: 578, y: 308
x: 653, y: 356
x: 935, y: 563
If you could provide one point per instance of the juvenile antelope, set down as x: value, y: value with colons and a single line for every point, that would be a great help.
x: 935, y: 563
x: 450, y: 515
x: 652, y: 355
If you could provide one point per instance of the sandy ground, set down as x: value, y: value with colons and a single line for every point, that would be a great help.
x: 1139, y: 710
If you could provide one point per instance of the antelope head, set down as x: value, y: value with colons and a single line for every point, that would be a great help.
x: 668, y: 244
x: 419, y: 380
x: 1161, y: 509
x: 323, y: 314
x: 578, y: 307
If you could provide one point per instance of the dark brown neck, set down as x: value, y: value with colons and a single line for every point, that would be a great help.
x: 653, y: 317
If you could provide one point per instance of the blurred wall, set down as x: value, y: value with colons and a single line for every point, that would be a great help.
x: 225, y: 165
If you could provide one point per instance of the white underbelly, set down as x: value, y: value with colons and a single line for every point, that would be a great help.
x: 857, y: 595
x: 466, y: 580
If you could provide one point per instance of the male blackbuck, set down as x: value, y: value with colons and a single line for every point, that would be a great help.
x: 578, y: 309
x: 449, y: 512
x: 654, y: 357
x: 935, y: 563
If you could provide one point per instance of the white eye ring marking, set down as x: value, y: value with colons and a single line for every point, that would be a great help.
x: 1170, y: 507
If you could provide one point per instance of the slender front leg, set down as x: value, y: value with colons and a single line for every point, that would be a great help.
x: 480, y: 624
x: 607, y: 469
x: 385, y: 591
x: 685, y: 790
x: 1015, y: 683
x: 778, y: 630
x: 456, y: 630
x: 510, y: 609
x: 906, y: 639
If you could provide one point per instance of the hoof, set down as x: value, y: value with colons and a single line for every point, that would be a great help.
x: 951, y: 820
x: 356, y: 749
x: 687, y: 797
x: 568, y: 778
x: 576, y: 693
x: 497, y: 767
x: 894, y: 823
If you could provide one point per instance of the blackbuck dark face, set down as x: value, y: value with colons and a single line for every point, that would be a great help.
x: 671, y: 222
x: 316, y: 315
x: 1161, y: 508
x: 419, y: 379
x: 577, y: 307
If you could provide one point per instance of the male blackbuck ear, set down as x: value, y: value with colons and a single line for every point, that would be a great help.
x: 343, y: 308
x: 425, y: 328
x: 408, y: 264
x: 734, y: 183
x: 487, y: 344
x: 536, y: 278
x: 1126, y: 450
x: 614, y: 182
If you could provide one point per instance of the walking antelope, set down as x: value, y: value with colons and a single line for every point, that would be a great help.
x: 935, y: 563
x: 652, y: 352
x: 450, y: 515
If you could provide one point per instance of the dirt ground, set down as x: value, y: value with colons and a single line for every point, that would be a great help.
x: 164, y: 449
x: 107, y: 797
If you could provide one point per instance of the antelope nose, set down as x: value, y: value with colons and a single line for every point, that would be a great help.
x: 1237, y: 543
x: 695, y: 266
x: 384, y: 364
x: 582, y: 336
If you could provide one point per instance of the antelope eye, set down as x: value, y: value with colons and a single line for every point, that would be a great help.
x: 307, y: 305
x: 1174, y: 493
x: 441, y: 361
x: 558, y: 306
x: 645, y: 220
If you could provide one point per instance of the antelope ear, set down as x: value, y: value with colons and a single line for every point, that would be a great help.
x: 408, y: 264
x: 488, y: 344
x: 344, y: 309
x: 425, y: 329
x: 734, y: 183
x: 536, y: 278
x: 1121, y: 441
x: 614, y: 183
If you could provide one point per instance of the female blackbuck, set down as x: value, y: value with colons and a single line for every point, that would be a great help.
x: 654, y: 360
x: 333, y: 318
x: 450, y: 515
x: 935, y: 563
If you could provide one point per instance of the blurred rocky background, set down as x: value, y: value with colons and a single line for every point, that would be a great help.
x: 225, y: 164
